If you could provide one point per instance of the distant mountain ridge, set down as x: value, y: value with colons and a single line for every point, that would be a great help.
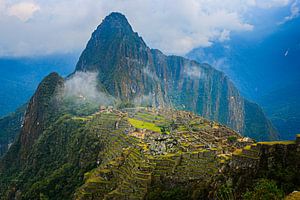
x: 257, y: 66
x: 265, y: 70
x: 19, y: 77
x: 283, y: 108
x: 129, y: 70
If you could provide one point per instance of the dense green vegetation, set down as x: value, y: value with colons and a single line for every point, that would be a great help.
x: 58, y: 160
x: 78, y: 107
x: 177, y: 193
x: 264, y: 189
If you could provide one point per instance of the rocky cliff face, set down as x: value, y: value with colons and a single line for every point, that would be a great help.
x: 131, y: 71
x: 10, y: 127
x: 39, y: 113
x: 278, y: 161
x: 283, y: 108
x: 39, y: 109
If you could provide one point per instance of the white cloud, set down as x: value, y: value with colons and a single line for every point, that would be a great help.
x: 225, y: 35
x: 23, y: 10
x: 271, y: 3
x: 194, y: 72
x: 82, y: 87
x: 295, y: 11
x: 2, y: 5
x: 174, y: 26
x: 178, y: 26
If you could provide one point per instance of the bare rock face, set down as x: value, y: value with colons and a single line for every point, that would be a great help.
x: 278, y: 160
x: 39, y: 109
x: 129, y: 70
x: 38, y: 113
x: 293, y: 196
x: 10, y: 127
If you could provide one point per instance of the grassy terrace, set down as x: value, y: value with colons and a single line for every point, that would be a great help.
x: 148, y: 116
x: 144, y: 125
x: 278, y: 142
x: 248, y: 147
x: 238, y: 152
x: 82, y: 118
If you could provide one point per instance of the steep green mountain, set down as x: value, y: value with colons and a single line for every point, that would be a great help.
x: 132, y: 72
x: 283, y: 108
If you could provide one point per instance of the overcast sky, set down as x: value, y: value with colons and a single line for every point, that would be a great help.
x: 39, y: 27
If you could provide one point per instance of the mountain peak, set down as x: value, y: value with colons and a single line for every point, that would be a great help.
x: 115, y: 22
x: 116, y: 16
x: 113, y: 38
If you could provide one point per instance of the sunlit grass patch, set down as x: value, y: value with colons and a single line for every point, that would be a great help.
x: 238, y: 152
x: 277, y: 142
x: 144, y: 125
x: 148, y: 116
x: 248, y: 147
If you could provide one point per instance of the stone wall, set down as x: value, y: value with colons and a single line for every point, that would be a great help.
x: 278, y: 160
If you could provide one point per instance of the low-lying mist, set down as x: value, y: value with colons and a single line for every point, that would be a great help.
x: 83, y: 86
x: 82, y: 93
x: 194, y: 72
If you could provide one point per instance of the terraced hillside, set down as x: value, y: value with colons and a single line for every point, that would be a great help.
x: 151, y: 148
x: 145, y: 153
x: 100, y: 152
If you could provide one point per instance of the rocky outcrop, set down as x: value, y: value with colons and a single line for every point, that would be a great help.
x: 256, y: 123
x: 129, y: 70
x: 39, y: 113
x: 10, y: 127
x: 278, y: 161
x: 293, y: 196
x: 39, y: 109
